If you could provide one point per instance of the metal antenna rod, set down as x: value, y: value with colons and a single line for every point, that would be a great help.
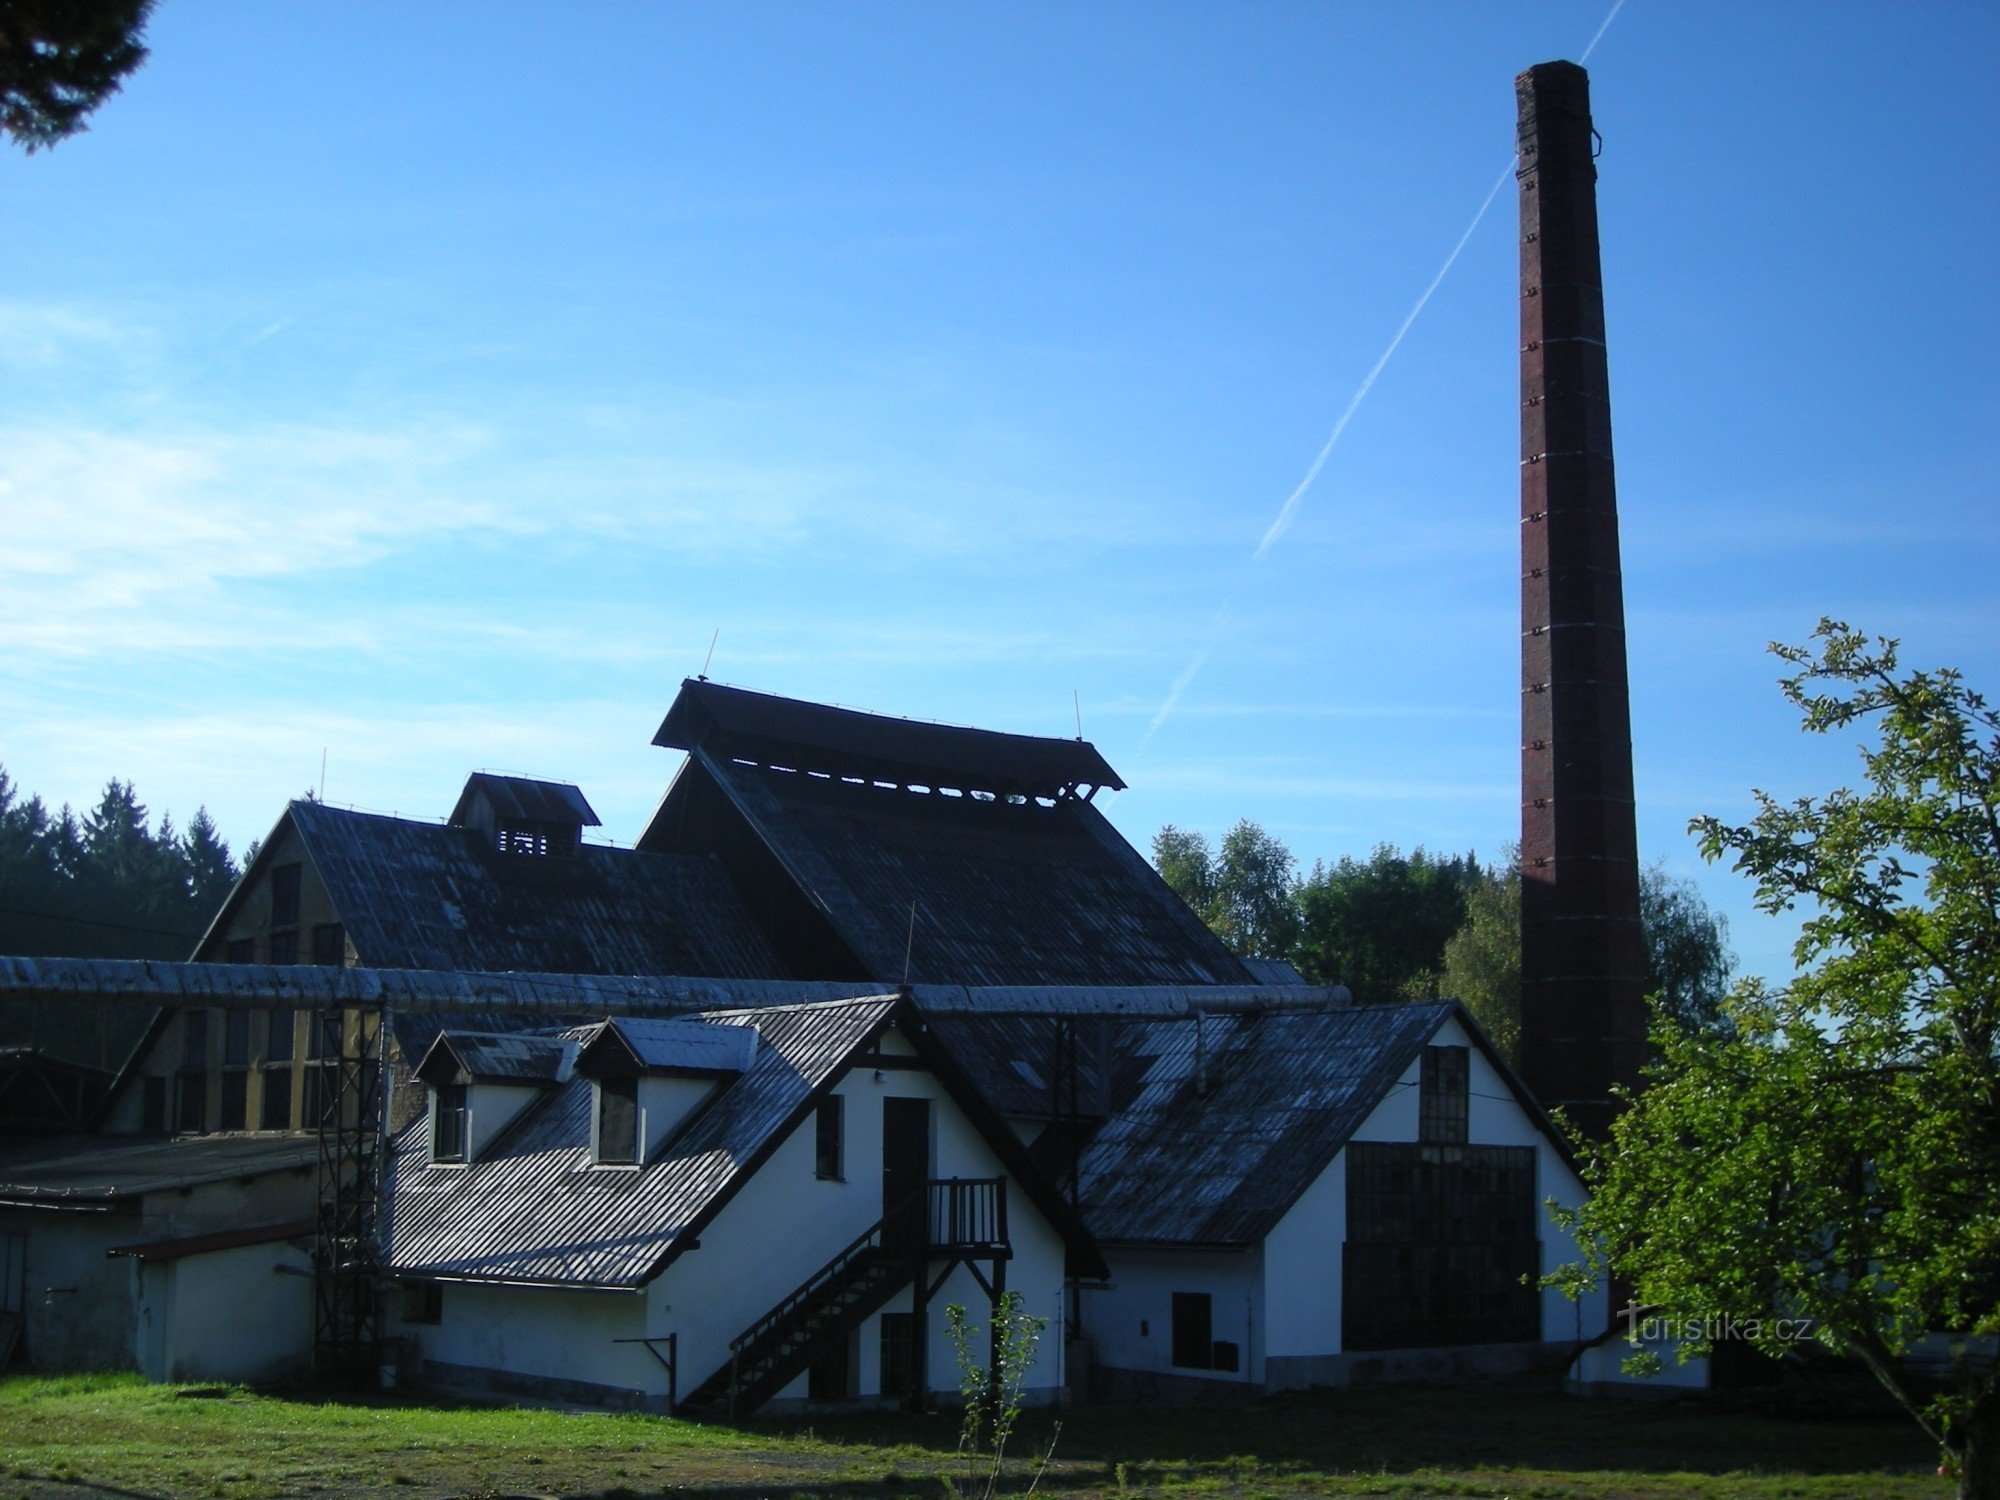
x: 1077, y: 699
x: 711, y: 653
x: 909, y: 942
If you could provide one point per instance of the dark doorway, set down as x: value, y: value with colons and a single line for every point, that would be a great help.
x: 906, y: 1167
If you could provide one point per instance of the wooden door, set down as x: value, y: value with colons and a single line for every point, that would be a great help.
x: 906, y: 1167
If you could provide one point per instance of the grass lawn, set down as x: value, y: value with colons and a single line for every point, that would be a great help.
x: 114, y: 1435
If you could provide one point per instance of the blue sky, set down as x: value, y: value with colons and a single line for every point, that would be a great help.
x: 425, y: 385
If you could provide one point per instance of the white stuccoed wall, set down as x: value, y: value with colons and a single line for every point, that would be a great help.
x: 241, y: 1314
x: 1130, y: 1323
x: 782, y: 1225
x: 1296, y: 1276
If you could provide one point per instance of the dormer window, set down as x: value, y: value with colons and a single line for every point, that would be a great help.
x: 448, y: 1122
x: 1444, y: 1096
x: 617, y: 1122
x: 524, y: 819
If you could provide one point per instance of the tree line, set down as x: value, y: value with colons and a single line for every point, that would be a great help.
x: 108, y: 884
x: 1423, y: 926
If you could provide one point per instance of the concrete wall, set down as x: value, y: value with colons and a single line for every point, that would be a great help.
x: 94, y: 1327
x: 244, y: 1314
x: 563, y: 1339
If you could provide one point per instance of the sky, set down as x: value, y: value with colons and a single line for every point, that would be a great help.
x: 412, y: 390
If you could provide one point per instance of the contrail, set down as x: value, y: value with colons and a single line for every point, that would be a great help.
x: 1604, y: 26
x: 1187, y: 676
x: 1285, y: 513
x: 1289, y: 509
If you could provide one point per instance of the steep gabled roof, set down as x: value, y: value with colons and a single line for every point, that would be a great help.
x: 735, y: 723
x: 419, y: 896
x: 535, y: 1211
x: 1174, y: 1165
x: 1019, y: 892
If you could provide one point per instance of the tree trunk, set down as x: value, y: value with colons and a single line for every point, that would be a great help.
x: 1974, y: 1445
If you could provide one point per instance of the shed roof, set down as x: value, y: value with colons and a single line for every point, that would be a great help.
x: 1005, y: 892
x: 100, y: 1171
x: 527, y: 799
x: 182, y: 1246
x: 421, y: 896
x: 737, y: 723
x: 682, y: 1046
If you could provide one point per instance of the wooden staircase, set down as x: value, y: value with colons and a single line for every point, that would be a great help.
x: 941, y: 1219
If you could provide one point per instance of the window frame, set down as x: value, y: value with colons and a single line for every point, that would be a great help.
x: 451, y: 1106
x: 621, y: 1089
x: 830, y: 1139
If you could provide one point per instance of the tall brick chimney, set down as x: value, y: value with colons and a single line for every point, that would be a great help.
x: 1582, y: 953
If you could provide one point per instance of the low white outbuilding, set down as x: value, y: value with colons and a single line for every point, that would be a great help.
x: 715, y: 1212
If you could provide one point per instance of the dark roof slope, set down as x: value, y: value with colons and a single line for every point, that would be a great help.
x: 419, y: 896
x: 1006, y: 892
x: 535, y: 1212
x: 1285, y: 1091
x: 99, y: 1170
x: 738, y: 724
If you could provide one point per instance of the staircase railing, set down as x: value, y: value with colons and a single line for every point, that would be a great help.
x: 869, y: 1239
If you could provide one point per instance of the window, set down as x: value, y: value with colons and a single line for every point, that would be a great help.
x: 829, y: 1139
x: 191, y: 1112
x: 279, y: 1043
x: 423, y: 1302
x: 827, y: 1377
x: 1194, y: 1344
x: 284, y: 947
x: 285, y: 896
x: 235, y: 1038
x: 194, y: 1041
x: 240, y: 951
x: 617, y: 1122
x: 1441, y: 1246
x: 899, y: 1354
x: 330, y: 944
x: 448, y: 1122
x: 277, y: 1105
x: 323, y: 1039
x: 1441, y: 1117
x: 153, y: 1106
x: 235, y: 1097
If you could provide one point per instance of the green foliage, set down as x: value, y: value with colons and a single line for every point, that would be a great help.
x: 1482, y: 960
x: 107, y: 885
x: 60, y: 59
x: 1836, y: 1156
x: 1379, y: 926
x: 992, y: 1389
x: 1246, y: 893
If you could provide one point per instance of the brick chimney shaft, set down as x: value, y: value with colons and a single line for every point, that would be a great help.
x: 1582, y: 952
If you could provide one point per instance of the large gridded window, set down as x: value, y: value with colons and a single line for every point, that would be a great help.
x: 277, y: 1103
x: 829, y: 1139
x: 448, y: 1113
x: 235, y: 1038
x: 280, y: 1041
x: 1445, y: 1096
x: 235, y: 1100
x: 617, y: 1122
x: 1441, y: 1246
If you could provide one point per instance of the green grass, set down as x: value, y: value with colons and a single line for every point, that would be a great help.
x: 109, y: 1434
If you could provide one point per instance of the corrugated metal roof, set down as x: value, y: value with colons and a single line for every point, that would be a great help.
x: 509, y: 1056
x: 687, y: 1045
x: 521, y: 797
x: 420, y: 896
x: 1006, y: 893
x: 1173, y: 1165
x: 100, y: 1170
x: 537, y: 1211
x: 847, y: 742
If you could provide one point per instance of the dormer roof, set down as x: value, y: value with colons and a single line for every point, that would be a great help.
x: 522, y: 799
x: 629, y: 1045
x: 497, y: 1057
